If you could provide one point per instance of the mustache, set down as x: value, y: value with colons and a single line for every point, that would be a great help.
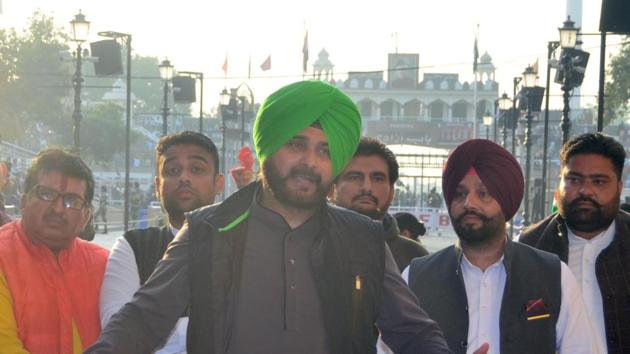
x: 368, y: 195
x: 55, y: 217
x: 480, y: 216
x: 303, y: 171
x: 574, y: 203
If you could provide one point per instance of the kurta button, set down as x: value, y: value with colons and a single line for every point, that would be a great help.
x: 463, y: 344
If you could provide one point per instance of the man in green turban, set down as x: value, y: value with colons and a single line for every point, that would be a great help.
x: 274, y: 268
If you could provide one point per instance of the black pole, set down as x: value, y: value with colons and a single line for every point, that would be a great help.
x: 514, y: 115
x: 165, y: 110
x: 504, y: 130
x: 201, y: 104
x: 551, y: 47
x: 128, y: 132
x: 565, y: 123
x: 487, y: 132
x: 224, y: 162
x: 528, y: 152
x: 77, y: 82
x: 602, y: 79
x: 496, y: 110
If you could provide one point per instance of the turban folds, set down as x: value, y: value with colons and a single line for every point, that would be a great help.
x: 497, y: 168
x: 295, y: 107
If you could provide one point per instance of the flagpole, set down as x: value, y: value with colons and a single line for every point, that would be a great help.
x: 476, y: 55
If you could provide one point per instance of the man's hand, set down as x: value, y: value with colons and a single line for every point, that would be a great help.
x: 483, y: 349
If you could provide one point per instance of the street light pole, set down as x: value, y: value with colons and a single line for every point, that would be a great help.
x: 198, y: 76
x: 80, y: 31
x: 551, y: 47
x: 166, y: 73
x: 504, y: 106
x: 514, y: 115
x: 529, y: 78
x: 568, y: 40
x: 126, y: 39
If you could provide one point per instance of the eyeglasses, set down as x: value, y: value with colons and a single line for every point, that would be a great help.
x: 70, y: 200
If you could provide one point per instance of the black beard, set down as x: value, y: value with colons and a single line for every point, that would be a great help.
x: 278, y: 186
x: 490, y: 227
x: 599, y: 218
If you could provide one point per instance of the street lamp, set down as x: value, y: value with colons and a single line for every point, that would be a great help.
x: 80, y: 32
x: 166, y: 73
x: 568, y: 39
x: 197, y: 76
x: 126, y: 39
x: 504, y: 105
x: 487, y: 121
x: 245, y: 96
x: 551, y: 48
x: 529, y: 82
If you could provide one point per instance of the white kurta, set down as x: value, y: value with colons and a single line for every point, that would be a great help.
x: 121, y: 281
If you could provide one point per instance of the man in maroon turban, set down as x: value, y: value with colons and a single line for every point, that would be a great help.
x: 488, y: 292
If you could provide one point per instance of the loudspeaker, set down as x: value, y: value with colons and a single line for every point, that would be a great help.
x: 578, y: 59
x: 109, y: 58
x: 615, y: 16
x: 184, y: 89
x: 532, y: 96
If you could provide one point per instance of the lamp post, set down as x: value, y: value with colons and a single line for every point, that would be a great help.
x: 529, y: 81
x: 504, y: 105
x: 80, y: 31
x: 197, y: 76
x: 487, y: 122
x: 245, y: 94
x: 166, y: 73
x: 568, y: 39
x: 514, y: 114
x: 126, y: 39
x: 551, y: 48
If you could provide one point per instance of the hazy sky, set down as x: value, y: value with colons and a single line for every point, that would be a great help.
x: 197, y: 35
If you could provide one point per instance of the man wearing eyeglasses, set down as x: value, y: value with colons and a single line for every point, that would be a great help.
x: 49, y: 279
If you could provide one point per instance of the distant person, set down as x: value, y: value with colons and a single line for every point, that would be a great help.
x: 409, y: 226
x: 187, y: 178
x: 488, y: 291
x: 101, y: 212
x: 274, y: 268
x: 367, y: 186
x: 591, y: 234
x: 50, y: 279
x: 4, y: 180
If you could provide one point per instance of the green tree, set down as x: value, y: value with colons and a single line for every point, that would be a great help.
x: 103, y: 133
x: 617, y: 91
x: 33, y: 81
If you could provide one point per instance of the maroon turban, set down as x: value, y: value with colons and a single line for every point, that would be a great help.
x: 497, y: 168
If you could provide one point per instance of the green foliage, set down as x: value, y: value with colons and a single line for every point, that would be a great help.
x: 103, y: 132
x: 33, y: 80
x: 618, y: 88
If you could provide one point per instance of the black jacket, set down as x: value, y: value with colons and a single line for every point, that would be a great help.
x: 612, y: 268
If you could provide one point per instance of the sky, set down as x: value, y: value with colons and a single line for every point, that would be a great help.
x: 358, y: 35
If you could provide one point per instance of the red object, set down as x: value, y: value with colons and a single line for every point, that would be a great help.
x: 246, y: 158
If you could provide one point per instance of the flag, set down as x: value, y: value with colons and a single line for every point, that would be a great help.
x: 476, y: 56
x: 249, y: 68
x: 266, y: 65
x: 305, y: 52
x: 535, y: 66
x: 225, y: 65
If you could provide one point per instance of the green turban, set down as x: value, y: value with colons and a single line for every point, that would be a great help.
x: 295, y: 107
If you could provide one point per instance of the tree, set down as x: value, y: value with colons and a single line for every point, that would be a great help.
x: 618, y: 88
x: 33, y: 81
x: 103, y: 132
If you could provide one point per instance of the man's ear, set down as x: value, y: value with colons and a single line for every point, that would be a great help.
x: 157, y: 182
x: 219, y: 183
x: 23, y: 201
x: 87, y: 216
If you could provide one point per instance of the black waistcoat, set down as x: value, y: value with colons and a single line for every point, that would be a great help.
x: 352, y: 246
x: 531, y: 274
x: 148, y: 246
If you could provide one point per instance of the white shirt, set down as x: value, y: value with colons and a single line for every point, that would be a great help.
x: 582, y: 256
x: 484, y: 291
x: 121, y: 281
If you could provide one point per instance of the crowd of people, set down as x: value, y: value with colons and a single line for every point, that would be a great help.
x: 306, y: 258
